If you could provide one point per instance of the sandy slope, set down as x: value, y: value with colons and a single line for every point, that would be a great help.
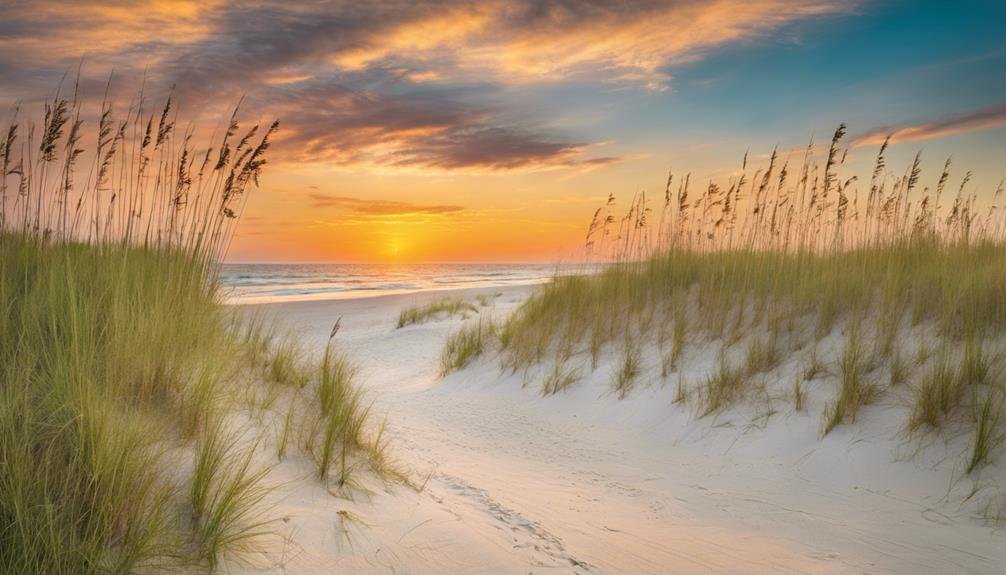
x: 582, y: 482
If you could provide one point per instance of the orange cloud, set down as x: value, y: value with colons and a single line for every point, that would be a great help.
x: 530, y: 41
x: 47, y: 30
x: 378, y: 207
x: 453, y: 27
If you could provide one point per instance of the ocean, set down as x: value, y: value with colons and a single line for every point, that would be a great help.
x: 263, y: 283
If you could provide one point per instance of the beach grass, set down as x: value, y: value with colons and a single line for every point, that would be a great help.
x: 784, y: 258
x: 561, y: 377
x: 722, y: 387
x: 854, y: 388
x: 444, y: 307
x: 467, y: 343
x: 227, y: 490
x: 121, y: 447
x: 340, y: 416
x: 107, y: 351
x: 627, y: 369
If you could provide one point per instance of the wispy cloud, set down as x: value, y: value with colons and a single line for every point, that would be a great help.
x: 949, y: 125
x: 378, y: 207
x: 532, y: 41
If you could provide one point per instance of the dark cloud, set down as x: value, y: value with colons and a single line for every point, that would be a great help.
x: 487, y: 146
x: 378, y: 207
x: 949, y: 125
x: 328, y: 122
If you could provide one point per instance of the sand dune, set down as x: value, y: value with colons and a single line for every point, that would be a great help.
x: 512, y: 482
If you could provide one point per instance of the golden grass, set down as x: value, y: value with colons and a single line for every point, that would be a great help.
x: 854, y: 388
x: 108, y: 352
x: 783, y: 258
x: 117, y: 361
x: 444, y: 307
x: 465, y: 344
x: 561, y: 377
x: 628, y: 368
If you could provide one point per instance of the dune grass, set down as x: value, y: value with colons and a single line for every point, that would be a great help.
x: 781, y: 259
x: 105, y: 350
x: 286, y: 364
x: 988, y: 433
x: 627, y: 369
x: 561, y: 377
x: 113, y: 345
x: 119, y: 367
x: 227, y: 489
x: 762, y: 355
x: 938, y: 394
x: 341, y: 416
x: 854, y: 388
x: 466, y: 344
x: 444, y: 307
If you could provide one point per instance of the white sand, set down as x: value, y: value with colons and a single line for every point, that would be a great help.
x: 582, y: 482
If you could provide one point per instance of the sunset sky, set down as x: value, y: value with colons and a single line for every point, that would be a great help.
x: 489, y: 131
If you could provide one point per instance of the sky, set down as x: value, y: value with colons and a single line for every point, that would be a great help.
x: 448, y: 131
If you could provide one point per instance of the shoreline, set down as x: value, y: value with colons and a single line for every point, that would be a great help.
x: 244, y: 284
x: 353, y: 295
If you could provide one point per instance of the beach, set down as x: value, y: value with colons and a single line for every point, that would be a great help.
x: 508, y: 481
x: 504, y: 287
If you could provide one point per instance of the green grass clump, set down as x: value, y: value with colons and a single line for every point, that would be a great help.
x: 227, y: 490
x: 951, y: 386
x: 854, y: 391
x: 799, y: 395
x: 325, y: 416
x: 561, y: 377
x: 899, y: 369
x: 940, y: 392
x: 762, y: 355
x: 441, y: 307
x: 988, y: 415
x: 466, y: 344
x: 628, y: 368
x: 814, y: 366
x: 257, y: 337
x: 341, y: 416
x: 977, y: 364
x: 286, y: 366
x: 722, y: 388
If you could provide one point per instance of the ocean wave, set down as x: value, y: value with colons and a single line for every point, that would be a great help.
x: 283, y: 282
